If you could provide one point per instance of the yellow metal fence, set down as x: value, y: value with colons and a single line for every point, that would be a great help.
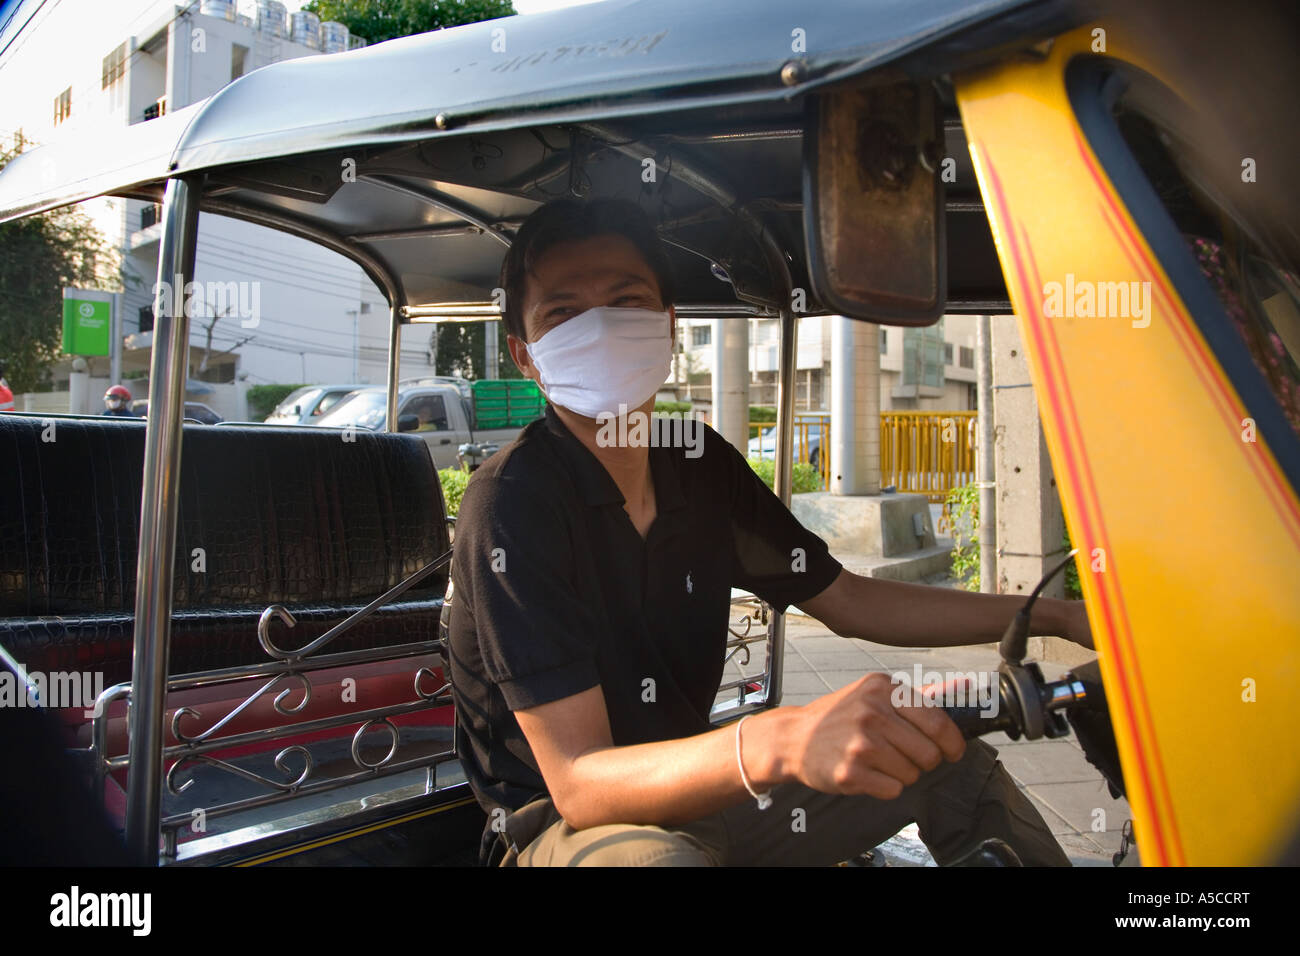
x: 927, y: 453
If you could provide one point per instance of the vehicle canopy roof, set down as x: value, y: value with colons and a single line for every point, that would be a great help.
x: 418, y: 157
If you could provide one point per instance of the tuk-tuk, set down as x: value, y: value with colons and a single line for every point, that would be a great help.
x: 1112, y: 176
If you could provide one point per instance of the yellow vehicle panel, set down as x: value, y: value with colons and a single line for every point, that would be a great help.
x: 1189, y: 533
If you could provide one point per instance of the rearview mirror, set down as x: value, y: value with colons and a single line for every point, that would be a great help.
x: 873, y: 203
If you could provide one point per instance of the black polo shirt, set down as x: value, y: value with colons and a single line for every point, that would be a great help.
x: 555, y: 592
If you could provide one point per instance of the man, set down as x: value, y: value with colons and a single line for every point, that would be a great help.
x: 117, y: 401
x: 591, y: 588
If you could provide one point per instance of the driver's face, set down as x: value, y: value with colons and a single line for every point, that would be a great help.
x: 573, y: 277
x: 114, y: 403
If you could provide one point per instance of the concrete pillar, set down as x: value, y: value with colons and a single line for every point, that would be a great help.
x: 854, y: 442
x: 79, y: 388
x: 731, y: 380
x: 177, y: 84
x: 491, y: 348
x: 1030, y: 526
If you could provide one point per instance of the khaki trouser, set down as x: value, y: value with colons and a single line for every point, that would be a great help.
x: 956, y: 806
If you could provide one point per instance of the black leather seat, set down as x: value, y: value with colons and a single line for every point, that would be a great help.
x: 288, y: 515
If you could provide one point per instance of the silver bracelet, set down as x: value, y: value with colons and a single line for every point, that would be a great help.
x: 764, y: 799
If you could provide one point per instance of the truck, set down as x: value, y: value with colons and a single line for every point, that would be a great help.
x: 462, y: 422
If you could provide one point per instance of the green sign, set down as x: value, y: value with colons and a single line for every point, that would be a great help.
x: 87, y: 324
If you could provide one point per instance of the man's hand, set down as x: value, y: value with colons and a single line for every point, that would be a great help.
x: 855, y: 741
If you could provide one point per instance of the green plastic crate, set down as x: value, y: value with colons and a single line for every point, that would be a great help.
x: 506, y: 403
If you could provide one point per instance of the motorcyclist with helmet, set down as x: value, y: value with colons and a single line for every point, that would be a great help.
x: 117, y: 401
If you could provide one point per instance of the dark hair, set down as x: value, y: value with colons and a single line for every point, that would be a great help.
x: 564, y: 220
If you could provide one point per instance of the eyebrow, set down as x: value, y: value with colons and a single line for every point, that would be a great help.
x: 623, y: 283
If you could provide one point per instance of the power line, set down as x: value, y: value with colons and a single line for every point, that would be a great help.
x: 250, y: 267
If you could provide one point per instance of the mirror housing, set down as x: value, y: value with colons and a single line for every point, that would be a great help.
x: 874, y: 203
x: 408, y: 423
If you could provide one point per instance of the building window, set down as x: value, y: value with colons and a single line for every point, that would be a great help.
x: 701, y: 335
x: 155, y: 110
x: 923, y: 356
x: 966, y: 357
x: 62, y: 106
x: 884, y: 343
x: 947, y: 353
x: 146, y: 318
x: 237, y: 55
x: 114, y: 67
x: 150, y: 215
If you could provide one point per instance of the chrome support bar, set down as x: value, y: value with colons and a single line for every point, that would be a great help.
x: 158, y: 509
x: 352, y: 620
x: 394, y: 362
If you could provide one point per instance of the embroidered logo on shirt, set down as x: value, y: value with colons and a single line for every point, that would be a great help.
x: 689, y: 587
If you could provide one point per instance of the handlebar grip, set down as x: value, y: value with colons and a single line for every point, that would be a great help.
x: 971, y: 721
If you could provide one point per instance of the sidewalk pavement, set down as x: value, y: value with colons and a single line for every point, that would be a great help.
x: 1070, y: 794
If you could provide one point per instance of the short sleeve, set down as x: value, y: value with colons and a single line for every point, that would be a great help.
x: 512, y: 565
x: 775, y: 556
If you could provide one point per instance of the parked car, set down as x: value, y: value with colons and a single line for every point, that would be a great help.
x: 763, y: 445
x: 194, y: 411
x: 306, y: 405
x: 439, y: 412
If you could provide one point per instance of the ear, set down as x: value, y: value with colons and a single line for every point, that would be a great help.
x: 519, y: 352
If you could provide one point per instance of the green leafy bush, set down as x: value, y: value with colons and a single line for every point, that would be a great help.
x: 671, y: 408
x: 453, y: 481
x: 262, y: 399
x: 804, y: 477
x: 961, y: 519
x: 760, y: 413
x: 1073, y: 592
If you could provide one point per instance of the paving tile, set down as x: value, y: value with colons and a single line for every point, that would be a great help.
x: 806, y: 683
x: 1056, y: 823
x: 908, y: 660
x: 839, y: 661
x: 1077, y: 801
x: 999, y: 740
x: 796, y: 663
x: 838, y: 679
x: 1048, y: 761
x: 823, y: 642
x: 1082, y: 851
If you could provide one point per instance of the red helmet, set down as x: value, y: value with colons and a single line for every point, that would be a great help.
x: 118, y: 391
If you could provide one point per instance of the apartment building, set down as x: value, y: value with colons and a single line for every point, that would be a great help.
x: 79, y: 66
x: 927, y: 368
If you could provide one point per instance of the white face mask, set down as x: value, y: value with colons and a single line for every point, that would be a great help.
x: 603, y: 358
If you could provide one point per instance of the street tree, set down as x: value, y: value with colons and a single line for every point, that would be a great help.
x: 39, y: 256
